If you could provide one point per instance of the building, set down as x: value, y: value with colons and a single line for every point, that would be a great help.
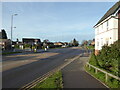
x: 47, y: 44
x: 107, y: 30
x: 58, y: 43
x: 93, y: 43
x: 32, y: 41
x: 5, y: 44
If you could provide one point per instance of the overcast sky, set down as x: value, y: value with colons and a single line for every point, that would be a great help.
x: 56, y: 21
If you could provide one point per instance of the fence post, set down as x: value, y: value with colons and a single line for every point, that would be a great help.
x: 96, y: 70
x: 106, y: 77
x: 89, y: 67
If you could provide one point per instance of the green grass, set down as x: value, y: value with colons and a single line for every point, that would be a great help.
x: 112, y: 83
x: 90, y: 47
x: 7, y: 53
x: 54, y: 81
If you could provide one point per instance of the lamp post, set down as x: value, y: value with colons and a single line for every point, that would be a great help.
x: 12, y: 27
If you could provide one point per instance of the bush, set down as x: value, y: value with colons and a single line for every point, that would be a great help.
x: 108, y: 59
x: 27, y: 46
x: 93, y: 60
x: 17, y: 46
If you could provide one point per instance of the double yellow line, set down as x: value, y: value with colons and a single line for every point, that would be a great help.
x: 42, y: 78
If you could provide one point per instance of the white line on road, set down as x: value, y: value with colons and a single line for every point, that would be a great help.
x: 18, y: 62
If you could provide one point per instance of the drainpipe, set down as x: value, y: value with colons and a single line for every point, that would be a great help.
x: 119, y: 25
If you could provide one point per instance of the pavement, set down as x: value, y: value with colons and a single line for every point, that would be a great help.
x: 74, y: 76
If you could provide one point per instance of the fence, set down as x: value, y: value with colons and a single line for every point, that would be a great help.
x: 106, y: 73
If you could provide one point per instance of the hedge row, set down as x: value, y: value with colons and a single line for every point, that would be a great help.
x: 108, y: 58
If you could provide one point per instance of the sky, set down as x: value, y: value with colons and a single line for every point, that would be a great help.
x: 56, y: 21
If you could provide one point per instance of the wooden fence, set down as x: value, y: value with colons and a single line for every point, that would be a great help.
x: 106, y: 73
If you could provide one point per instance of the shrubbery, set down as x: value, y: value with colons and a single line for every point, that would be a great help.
x: 108, y: 59
x: 93, y: 60
x: 27, y: 45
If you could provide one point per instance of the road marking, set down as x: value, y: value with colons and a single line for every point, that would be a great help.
x: 66, y: 60
x: 43, y: 77
x: 38, y: 56
x: 17, y: 62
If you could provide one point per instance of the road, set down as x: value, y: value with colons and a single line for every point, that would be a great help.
x: 18, y: 70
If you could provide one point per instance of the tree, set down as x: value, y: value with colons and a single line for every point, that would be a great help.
x: 84, y: 42
x: 46, y: 40
x: 17, y: 40
x: 4, y: 35
x: 75, y: 42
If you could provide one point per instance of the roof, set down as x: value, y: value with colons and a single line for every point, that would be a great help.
x: 111, y: 11
x: 4, y: 40
x: 30, y: 38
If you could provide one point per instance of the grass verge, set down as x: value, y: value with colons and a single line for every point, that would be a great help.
x: 90, y: 47
x: 112, y: 83
x: 7, y: 53
x: 54, y: 81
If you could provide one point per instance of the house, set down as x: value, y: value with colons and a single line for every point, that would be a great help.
x: 48, y: 44
x: 5, y: 44
x: 32, y: 41
x: 58, y: 44
x: 107, y: 30
x: 93, y: 43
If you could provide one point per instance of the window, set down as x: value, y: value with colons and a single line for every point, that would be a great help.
x: 97, y: 43
x: 101, y: 41
x: 107, y: 23
x: 107, y: 42
x: 102, y: 26
x: 97, y: 30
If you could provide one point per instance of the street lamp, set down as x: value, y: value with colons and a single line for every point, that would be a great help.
x: 12, y: 26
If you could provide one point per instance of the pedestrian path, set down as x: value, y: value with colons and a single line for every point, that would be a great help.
x: 74, y: 76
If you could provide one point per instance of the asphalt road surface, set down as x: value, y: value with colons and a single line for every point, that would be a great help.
x: 18, y: 70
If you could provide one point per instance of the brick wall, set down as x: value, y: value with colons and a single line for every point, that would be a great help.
x: 96, y: 52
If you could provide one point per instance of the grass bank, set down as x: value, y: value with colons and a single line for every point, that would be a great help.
x: 54, y: 81
x: 111, y: 83
x: 90, y: 47
x: 8, y: 53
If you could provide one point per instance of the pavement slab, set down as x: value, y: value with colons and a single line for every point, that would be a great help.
x: 74, y: 76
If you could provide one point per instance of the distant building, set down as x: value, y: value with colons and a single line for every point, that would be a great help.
x: 93, y: 43
x: 48, y: 44
x: 58, y: 43
x: 32, y: 41
x: 107, y: 30
x: 5, y: 44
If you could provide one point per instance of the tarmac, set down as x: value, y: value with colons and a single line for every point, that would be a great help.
x: 74, y: 76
